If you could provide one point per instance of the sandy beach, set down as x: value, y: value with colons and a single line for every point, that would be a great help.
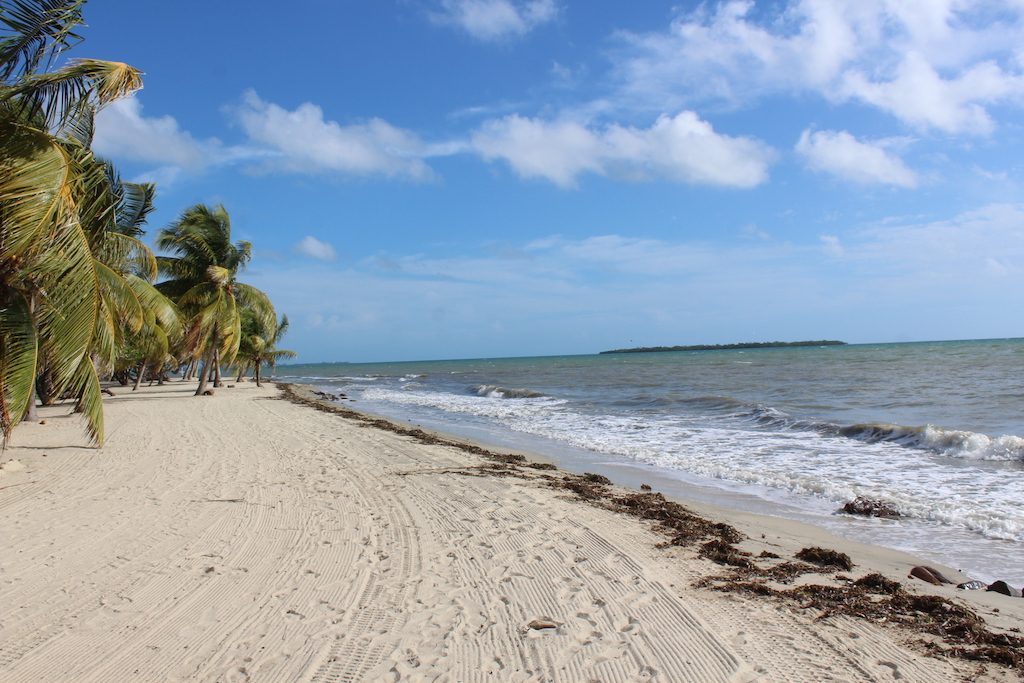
x: 241, y: 537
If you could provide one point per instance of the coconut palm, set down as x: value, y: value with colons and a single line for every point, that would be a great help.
x: 258, y: 346
x: 51, y: 287
x: 202, y: 279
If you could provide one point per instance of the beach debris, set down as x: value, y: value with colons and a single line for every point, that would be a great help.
x: 541, y: 466
x: 329, y: 397
x: 971, y: 585
x: 541, y: 624
x: 879, y: 584
x: 865, y: 507
x: 1005, y: 589
x: 963, y: 633
x: 291, y: 393
x: 645, y: 487
x: 583, y: 488
x: 208, y: 392
x: 597, y: 479
x: 722, y: 552
x: 929, y: 574
x: 825, y: 558
x: 108, y: 392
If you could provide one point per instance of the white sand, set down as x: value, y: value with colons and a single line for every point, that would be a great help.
x: 238, y: 538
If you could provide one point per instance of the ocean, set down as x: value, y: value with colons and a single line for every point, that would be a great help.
x: 935, y: 429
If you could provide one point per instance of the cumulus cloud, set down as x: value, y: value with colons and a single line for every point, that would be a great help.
x: 122, y: 131
x: 841, y: 154
x: 932, y: 65
x: 681, y: 149
x: 303, y: 141
x: 314, y: 248
x: 493, y: 20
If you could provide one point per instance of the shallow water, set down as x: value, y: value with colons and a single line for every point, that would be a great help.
x: 931, y: 428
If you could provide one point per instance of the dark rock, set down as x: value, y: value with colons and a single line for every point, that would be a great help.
x: 869, y: 508
x: 929, y: 574
x: 1005, y: 589
x: 971, y: 585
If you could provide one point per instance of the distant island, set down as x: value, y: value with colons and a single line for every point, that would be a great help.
x: 724, y: 347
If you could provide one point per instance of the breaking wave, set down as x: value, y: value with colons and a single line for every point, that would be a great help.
x: 492, y: 391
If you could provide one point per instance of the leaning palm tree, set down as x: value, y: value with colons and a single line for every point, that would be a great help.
x: 202, y: 279
x: 51, y: 290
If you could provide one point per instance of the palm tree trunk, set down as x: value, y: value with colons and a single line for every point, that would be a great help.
x: 258, y: 366
x: 138, y: 377
x: 216, y: 370
x: 210, y: 363
x: 204, y: 373
x: 45, y: 388
x: 32, y: 414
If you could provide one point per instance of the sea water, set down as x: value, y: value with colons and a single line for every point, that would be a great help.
x: 934, y: 429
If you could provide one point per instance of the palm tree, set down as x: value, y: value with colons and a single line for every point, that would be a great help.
x: 51, y: 286
x: 258, y: 345
x: 202, y: 279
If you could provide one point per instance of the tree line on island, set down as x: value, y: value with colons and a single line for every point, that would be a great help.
x: 82, y: 298
x: 724, y: 347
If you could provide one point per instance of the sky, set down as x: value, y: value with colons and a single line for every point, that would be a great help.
x: 428, y: 179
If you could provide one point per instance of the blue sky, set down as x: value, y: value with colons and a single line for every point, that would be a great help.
x: 429, y: 179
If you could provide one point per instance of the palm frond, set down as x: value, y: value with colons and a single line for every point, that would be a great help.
x: 19, y: 354
x: 90, y: 401
x: 60, y: 96
x: 41, y: 30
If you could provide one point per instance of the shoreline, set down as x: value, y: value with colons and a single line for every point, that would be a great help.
x: 243, y: 537
x: 989, y: 559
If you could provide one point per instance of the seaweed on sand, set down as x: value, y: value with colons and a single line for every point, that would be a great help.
x: 291, y: 393
x: 963, y: 634
x: 825, y: 558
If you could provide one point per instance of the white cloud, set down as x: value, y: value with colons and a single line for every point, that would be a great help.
x: 492, y: 20
x: 314, y: 248
x: 956, y: 250
x: 682, y: 149
x: 843, y: 155
x: 831, y: 246
x: 930, y: 64
x: 302, y: 141
x: 122, y: 131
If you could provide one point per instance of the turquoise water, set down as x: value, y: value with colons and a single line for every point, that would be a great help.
x: 932, y: 428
